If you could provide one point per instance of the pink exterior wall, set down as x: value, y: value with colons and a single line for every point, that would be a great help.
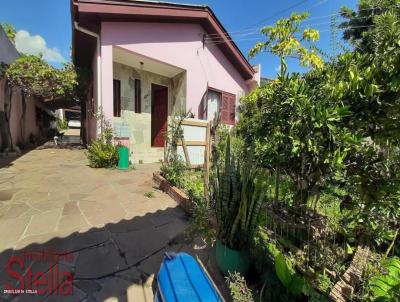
x: 15, y: 118
x: 176, y: 44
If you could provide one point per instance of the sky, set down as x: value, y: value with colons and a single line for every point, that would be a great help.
x: 44, y: 26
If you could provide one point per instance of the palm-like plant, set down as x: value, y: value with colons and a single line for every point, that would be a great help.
x: 238, y: 193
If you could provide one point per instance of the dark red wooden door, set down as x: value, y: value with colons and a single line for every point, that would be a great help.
x: 159, y: 113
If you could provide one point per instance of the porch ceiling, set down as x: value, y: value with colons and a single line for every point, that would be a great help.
x: 133, y: 59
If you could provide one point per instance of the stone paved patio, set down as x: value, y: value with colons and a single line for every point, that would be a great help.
x: 113, y: 236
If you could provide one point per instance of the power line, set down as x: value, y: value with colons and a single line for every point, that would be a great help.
x: 255, y: 29
x: 258, y: 38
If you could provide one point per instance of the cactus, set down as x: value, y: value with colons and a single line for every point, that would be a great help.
x: 238, y: 193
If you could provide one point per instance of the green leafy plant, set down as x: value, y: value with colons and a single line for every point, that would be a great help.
x: 386, y: 287
x: 10, y: 31
x: 238, y: 288
x: 238, y: 195
x: 174, y: 170
x: 150, y: 194
x: 101, y: 152
x: 199, y: 221
x: 62, y: 124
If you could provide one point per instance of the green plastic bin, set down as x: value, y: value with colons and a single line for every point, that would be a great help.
x: 123, y: 158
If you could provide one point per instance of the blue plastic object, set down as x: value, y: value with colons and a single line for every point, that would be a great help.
x: 182, y: 279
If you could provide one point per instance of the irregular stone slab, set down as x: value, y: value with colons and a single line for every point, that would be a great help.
x: 131, y: 274
x: 7, y: 194
x: 112, y: 288
x: 99, y: 262
x: 138, y: 245
x: 134, y: 224
x: 12, y: 230
x: 152, y: 264
x: 173, y: 228
x: 64, y: 242
x: 88, y: 286
x: 43, y: 223
x: 16, y: 210
x: 72, y: 222
x: 77, y: 296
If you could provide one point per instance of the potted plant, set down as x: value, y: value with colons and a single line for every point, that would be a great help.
x: 238, y: 195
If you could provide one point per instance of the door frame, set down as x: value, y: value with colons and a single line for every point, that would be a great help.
x: 151, y: 112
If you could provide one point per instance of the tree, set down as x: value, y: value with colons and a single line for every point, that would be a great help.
x: 34, y: 77
x: 275, y: 114
x: 360, y: 24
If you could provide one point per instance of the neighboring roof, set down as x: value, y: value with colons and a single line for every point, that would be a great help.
x: 90, y: 13
x: 8, y: 52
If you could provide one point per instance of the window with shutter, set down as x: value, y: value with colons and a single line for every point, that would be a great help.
x: 228, y: 108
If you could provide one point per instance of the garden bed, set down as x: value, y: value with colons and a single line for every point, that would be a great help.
x: 175, y: 193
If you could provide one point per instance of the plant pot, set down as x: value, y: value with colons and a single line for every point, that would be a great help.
x: 230, y: 260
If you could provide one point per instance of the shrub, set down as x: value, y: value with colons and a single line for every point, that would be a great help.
x: 174, y: 170
x: 102, y: 153
x: 240, y: 292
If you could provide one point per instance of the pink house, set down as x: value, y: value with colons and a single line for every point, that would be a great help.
x: 150, y: 60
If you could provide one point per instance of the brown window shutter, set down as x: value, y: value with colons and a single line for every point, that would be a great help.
x: 138, y: 97
x: 117, y: 97
x: 228, y: 108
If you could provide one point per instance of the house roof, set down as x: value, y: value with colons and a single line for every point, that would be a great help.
x: 90, y: 13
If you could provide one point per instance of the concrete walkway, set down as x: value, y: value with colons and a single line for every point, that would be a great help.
x: 98, y: 222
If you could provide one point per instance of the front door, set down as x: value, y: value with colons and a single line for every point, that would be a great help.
x: 159, y: 113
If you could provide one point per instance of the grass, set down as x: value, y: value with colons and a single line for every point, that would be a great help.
x: 150, y: 194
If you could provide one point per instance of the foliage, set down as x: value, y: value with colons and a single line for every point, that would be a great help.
x: 199, y: 224
x: 386, y: 287
x: 237, y: 194
x: 239, y: 290
x: 281, y: 41
x: 174, y: 170
x: 357, y: 27
x: 36, y: 77
x: 101, y: 152
x: 10, y: 31
x: 150, y: 194
x: 292, y: 129
x: 62, y: 124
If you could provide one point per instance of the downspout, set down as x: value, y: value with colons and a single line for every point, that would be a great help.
x: 99, y: 93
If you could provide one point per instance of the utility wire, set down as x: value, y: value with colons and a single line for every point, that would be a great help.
x: 255, y: 29
x: 258, y: 38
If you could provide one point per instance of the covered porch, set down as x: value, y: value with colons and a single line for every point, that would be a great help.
x: 141, y: 94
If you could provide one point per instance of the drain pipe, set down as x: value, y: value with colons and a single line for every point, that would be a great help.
x: 99, y: 94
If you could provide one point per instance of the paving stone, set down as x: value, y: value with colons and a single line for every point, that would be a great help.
x: 134, y: 224
x: 111, y: 287
x: 43, y: 223
x: 138, y: 245
x: 131, y: 274
x: 16, y: 210
x: 88, y: 286
x: 173, y: 228
x: 99, y: 262
x: 77, y: 296
x: 11, y: 231
x: 72, y: 222
x: 71, y: 208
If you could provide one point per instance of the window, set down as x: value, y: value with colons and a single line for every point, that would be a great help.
x: 218, y: 103
x: 138, y: 103
x: 117, y: 97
